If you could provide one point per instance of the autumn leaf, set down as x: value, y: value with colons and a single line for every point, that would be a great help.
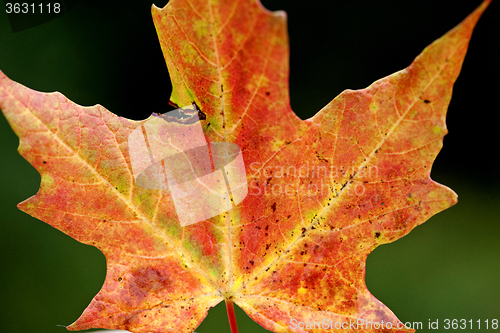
x: 322, y: 193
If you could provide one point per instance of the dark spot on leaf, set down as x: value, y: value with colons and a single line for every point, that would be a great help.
x: 268, y: 93
x: 377, y: 234
x: 120, y: 279
x: 201, y: 115
x: 273, y: 206
x: 427, y: 101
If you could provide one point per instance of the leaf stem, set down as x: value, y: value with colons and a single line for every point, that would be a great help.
x: 231, y: 316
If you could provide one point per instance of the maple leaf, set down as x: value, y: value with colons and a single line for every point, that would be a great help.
x: 323, y: 193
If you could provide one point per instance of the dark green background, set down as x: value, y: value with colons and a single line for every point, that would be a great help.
x: 107, y: 52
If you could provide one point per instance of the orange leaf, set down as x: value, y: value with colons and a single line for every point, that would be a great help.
x: 322, y: 193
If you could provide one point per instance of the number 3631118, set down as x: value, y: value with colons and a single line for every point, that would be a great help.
x: 32, y: 8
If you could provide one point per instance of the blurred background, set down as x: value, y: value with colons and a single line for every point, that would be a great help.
x: 107, y: 52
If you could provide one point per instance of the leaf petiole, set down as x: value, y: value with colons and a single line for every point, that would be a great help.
x: 231, y: 316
